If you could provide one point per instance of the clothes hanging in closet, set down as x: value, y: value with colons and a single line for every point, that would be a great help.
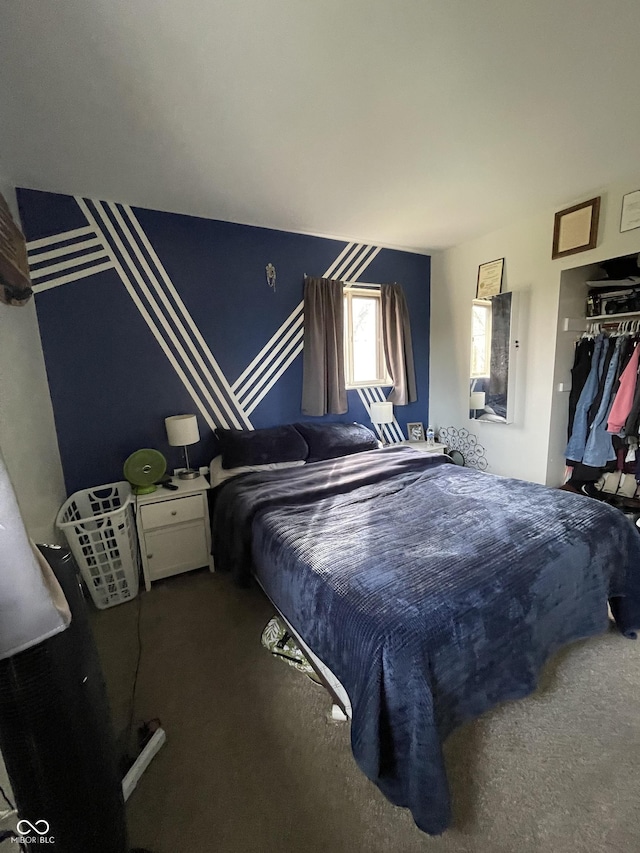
x: 604, y: 420
x: 632, y: 423
x: 609, y: 347
x: 599, y: 448
x: 579, y: 374
x: 578, y: 438
x: 623, y: 402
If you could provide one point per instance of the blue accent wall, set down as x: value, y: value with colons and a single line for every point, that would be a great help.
x: 145, y: 314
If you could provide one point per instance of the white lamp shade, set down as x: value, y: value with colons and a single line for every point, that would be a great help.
x: 477, y: 399
x: 182, y: 430
x: 381, y: 413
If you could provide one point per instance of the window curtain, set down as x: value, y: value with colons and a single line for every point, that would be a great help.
x: 398, y: 349
x: 323, y: 383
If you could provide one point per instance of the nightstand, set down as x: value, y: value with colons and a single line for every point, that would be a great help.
x: 426, y: 448
x: 173, y: 529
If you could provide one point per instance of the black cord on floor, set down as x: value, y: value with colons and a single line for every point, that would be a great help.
x: 134, y: 686
x: 132, y: 701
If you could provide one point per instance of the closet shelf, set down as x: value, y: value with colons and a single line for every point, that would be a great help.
x: 613, y: 317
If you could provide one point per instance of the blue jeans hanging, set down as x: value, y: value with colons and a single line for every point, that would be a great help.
x: 578, y: 440
x: 599, y: 448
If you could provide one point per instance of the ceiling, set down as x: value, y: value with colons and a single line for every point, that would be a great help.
x: 414, y: 123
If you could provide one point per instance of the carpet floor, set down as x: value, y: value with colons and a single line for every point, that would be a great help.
x: 253, y: 762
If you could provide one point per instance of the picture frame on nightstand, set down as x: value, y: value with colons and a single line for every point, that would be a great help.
x: 415, y: 432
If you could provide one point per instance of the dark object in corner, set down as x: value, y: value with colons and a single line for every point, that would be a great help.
x: 55, y: 731
x: 15, y: 284
x: 456, y: 457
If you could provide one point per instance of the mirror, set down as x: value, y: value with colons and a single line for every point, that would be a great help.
x: 492, y: 359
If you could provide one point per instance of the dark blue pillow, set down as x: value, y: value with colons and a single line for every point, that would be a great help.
x: 327, y: 441
x: 261, y: 446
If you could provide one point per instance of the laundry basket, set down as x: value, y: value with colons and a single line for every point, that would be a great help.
x: 100, y: 529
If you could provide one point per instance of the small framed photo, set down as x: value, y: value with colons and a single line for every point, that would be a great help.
x: 576, y: 228
x: 490, y: 279
x: 415, y: 432
x: 630, y: 216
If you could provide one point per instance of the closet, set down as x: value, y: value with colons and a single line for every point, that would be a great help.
x: 603, y: 400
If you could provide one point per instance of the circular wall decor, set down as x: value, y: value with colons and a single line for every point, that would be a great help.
x: 466, y: 444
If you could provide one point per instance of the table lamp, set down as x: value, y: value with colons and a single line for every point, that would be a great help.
x: 381, y: 413
x: 477, y: 401
x: 182, y: 430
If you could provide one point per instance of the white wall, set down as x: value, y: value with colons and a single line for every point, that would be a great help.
x: 520, y: 449
x: 27, y: 432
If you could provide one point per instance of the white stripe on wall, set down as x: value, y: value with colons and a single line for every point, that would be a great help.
x: 38, y: 257
x: 72, y: 276
x: 295, y: 344
x: 294, y: 330
x: 233, y: 413
x: 347, y: 249
x: 78, y: 261
x: 148, y: 320
x: 356, y: 275
x: 170, y: 336
x: 338, y: 274
x: 277, y: 376
x: 267, y: 347
x: 222, y: 379
x: 58, y: 238
x: 348, y: 271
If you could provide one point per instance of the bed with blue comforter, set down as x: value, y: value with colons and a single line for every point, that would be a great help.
x: 431, y: 591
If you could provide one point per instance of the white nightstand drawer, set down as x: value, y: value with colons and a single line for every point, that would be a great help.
x: 172, y: 511
x: 172, y: 550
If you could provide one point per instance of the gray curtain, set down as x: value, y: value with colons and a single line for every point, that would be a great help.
x: 323, y: 384
x: 398, y: 349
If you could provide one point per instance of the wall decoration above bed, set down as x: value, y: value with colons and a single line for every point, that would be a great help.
x: 145, y: 313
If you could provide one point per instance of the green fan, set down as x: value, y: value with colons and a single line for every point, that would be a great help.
x: 143, y: 469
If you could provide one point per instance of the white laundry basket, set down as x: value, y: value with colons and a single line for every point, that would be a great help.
x: 100, y: 530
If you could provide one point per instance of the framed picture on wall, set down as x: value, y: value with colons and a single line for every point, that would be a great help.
x: 415, y: 432
x: 490, y: 279
x: 576, y: 228
x: 630, y: 216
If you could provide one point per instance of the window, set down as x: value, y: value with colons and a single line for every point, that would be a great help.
x: 364, y: 361
x: 480, y: 338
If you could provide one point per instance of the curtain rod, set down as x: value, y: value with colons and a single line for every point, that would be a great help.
x: 355, y: 283
x: 361, y: 284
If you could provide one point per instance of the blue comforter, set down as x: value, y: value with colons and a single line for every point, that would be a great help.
x: 430, y: 590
